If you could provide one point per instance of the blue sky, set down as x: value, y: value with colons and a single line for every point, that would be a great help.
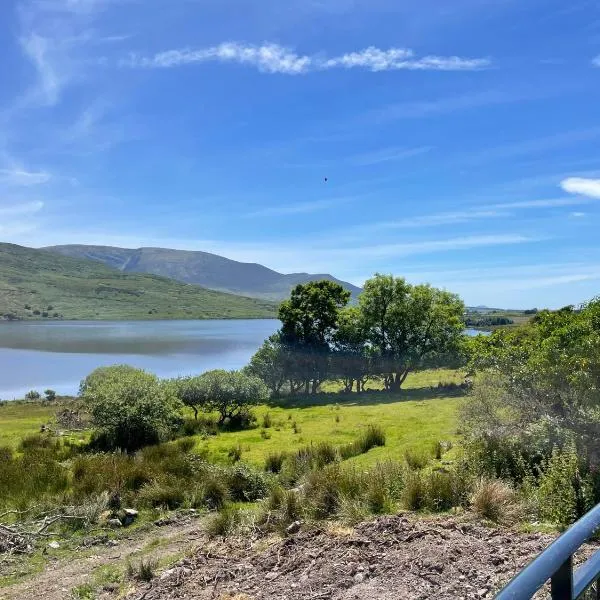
x: 460, y: 140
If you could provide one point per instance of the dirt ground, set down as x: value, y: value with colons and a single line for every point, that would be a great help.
x: 397, y: 557
x: 388, y: 559
x: 61, y: 576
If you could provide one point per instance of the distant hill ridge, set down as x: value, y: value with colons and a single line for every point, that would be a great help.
x: 42, y: 284
x: 199, y: 268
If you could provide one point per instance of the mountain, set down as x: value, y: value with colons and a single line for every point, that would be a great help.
x: 56, y: 286
x: 200, y: 268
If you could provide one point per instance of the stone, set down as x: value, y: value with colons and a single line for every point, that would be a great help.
x: 294, y: 527
x: 114, y: 523
x: 359, y: 578
x: 54, y: 545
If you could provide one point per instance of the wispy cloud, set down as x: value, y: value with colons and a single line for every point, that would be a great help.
x: 273, y: 58
x: 387, y: 155
x: 596, y: 61
x: 50, y: 79
x: 447, y: 218
x: 543, y: 203
x: 582, y: 186
x: 21, y: 177
x: 300, y: 207
x: 577, y: 215
x: 21, y: 209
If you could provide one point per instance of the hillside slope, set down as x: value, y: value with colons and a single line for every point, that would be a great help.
x: 200, y: 268
x: 83, y: 289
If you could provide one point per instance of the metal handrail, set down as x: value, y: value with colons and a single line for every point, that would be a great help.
x: 556, y: 564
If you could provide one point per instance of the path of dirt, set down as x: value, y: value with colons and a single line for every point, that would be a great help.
x: 60, y: 577
x: 391, y: 558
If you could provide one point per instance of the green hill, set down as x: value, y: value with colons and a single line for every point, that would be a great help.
x: 200, y: 268
x: 41, y: 284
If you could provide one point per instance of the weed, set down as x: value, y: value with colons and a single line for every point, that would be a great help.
x: 274, y: 462
x: 142, y: 571
x: 223, y: 523
x: 496, y: 500
x: 235, y: 453
x: 267, y: 421
x: 416, y: 459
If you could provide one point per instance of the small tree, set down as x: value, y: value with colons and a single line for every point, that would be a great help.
x: 193, y: 392
x: 270, y: 364
x: 50, y: 395
x: 231, y: 393
x: 32, y: 395
x: 130, y: 408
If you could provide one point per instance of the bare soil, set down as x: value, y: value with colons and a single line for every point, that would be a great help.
x: 390, y: 558
x: 60, y: 576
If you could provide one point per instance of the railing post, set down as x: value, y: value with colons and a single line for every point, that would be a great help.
x: 561, y: 585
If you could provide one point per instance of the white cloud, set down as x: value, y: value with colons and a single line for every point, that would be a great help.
x: 273, y: 58
x: 545, y: 203
x: 300, y: 207
x: 50, y: 81
x: 577, y: 215
x: 21, y: 177
x: 582, y: 186
x: 21, y: 209
x: 388, y: 155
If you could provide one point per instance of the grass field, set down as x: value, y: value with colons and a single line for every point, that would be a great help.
x: 39, y: 284
x: 414, y: 419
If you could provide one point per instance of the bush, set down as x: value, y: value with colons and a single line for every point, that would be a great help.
x: 274, y: 462
x: 223, y: 523
x: 496, y: 501
x: 565, y: 494
x: 267, y: 421
x: 235, y: 453
x: 416, y: 459
x: 130, y: 408
x: 50, y: 395
x: 32, y: 395
x: 414, y: 496
x: 245, y: 484
x: 167, y: 494
x: 215, y: 493
x: 371, y: 437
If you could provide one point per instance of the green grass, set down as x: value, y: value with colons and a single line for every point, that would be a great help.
x: 415, y: 419
x: 20, y: 419
x: 83, y: 289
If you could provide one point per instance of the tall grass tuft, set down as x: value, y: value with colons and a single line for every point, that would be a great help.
x: 496, y: 501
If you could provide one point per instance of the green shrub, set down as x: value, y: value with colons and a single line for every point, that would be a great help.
x: 50, y: 395
x: 235, y: 453
x: 164, y: 494
x: 186, y: 444
x: 274, y: 462
x: 565, y: 494
x: 245, y: 484
x: 37, y: 441
x: 223, y: 523
x: 416, y: 459
x: 130, y: 408
x: 215, y: 493
x: 267, y: 421
x: 414, y: 496
x: 32, y: 395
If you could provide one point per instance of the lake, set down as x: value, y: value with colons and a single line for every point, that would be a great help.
x: 59, y: 354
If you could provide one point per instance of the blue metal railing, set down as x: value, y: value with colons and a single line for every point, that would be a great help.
x: 556, y: 564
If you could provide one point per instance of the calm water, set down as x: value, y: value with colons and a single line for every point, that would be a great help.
x: 57, y: 355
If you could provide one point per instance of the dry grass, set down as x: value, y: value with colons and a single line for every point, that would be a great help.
x: 496, y: 501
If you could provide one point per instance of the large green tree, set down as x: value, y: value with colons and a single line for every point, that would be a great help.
x: 309, y: 320
x: 271, y: 364
x: 408, y: 324
x: 351, y: 359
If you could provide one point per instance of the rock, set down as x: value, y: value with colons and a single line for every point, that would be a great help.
x: 482, y: 592
x: 271, y: 575
x: 112, y: 543
x: 130, y: 515
x: 54, y: 545
x: 294, y: 527
x: 167, y: 574
x: 114, y: 523
x: 359, y: 578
